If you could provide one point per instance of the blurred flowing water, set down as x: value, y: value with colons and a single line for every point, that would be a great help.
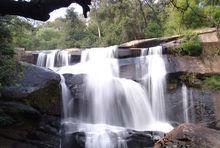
x: 114, y: 103
x: 185, y: 103
x: 154, y: 79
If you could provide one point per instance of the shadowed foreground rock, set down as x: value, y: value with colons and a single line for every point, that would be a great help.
x: 35, y: 86
x: 30, y: 109
x: 190, y: 135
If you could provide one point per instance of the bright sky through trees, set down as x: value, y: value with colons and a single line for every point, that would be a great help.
x: 62, y: 11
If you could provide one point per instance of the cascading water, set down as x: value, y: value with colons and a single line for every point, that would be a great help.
x: 154, y: 76
x: 185, y: 103
x: 52, y: 59
x: 62, y: 58
x: 114, y: 102
x: 50, y: 62
x: 41, y: 60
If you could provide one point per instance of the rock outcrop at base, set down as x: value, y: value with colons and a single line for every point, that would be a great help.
x: 30, y: 109
x: 190, y: 135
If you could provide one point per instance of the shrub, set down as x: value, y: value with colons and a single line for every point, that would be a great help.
x: 191, y: 45
x: 190, y: 79
x: 7, y: 62
x: 7, y: 69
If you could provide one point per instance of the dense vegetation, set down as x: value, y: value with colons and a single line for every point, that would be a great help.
x: 7, y: 62
x: 111, y: 22
x: 114, y: 22
x: 190, y: 45
x: 212, y: 82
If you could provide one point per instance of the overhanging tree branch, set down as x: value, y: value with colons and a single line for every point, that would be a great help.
x: 38, y: 9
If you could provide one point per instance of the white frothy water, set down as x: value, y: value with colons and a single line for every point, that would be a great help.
x: 113, y: 101
x: 63, y: 58
x: 154, y: 79
x: 53, y: 59
x: 66, y: 98
x: 41, y: 60
x: 185, y: 103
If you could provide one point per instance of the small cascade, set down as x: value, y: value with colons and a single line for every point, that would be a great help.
x: 62, y: 58
x: 66, y: 98
x: 53, y: 59
x: 185, y: 103
x: 154, y: 79
x: 41, y: 60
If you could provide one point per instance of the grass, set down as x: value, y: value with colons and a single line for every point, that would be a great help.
x: 212, y: 82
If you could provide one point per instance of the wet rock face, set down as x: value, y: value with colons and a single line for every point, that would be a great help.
x: 27, y: 134
x: 190, y: 135
x: 17, y: 112
x: 36, y: 86
x: 77, y: 87
x: 76, y: 84
x: 201, y: 108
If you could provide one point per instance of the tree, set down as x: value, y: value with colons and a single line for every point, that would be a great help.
x: 7, y: 63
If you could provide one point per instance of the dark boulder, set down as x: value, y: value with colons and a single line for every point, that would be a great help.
x: 35, y: 86
x: 17, y: 112
x: 190, y: 135
x: 76, y: 84
x: 26, y: 134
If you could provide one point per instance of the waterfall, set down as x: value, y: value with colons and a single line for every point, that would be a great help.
x: 154, y: 79
x: 114, y: 103
x: 62, y: 58
x: 66, y: 98
x: 53, y: 58
x: 41, y: 60
x: 185, y: 103
x: 193, y: 120
x: 114, y: 100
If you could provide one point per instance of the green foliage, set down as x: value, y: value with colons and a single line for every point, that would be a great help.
x: 212, y: 82
x: 114, y: 22
x: 190, y: 45
x: 47, y: 38
x: 7, y: 68
x: 190, y: 79
x: 7, y: 63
